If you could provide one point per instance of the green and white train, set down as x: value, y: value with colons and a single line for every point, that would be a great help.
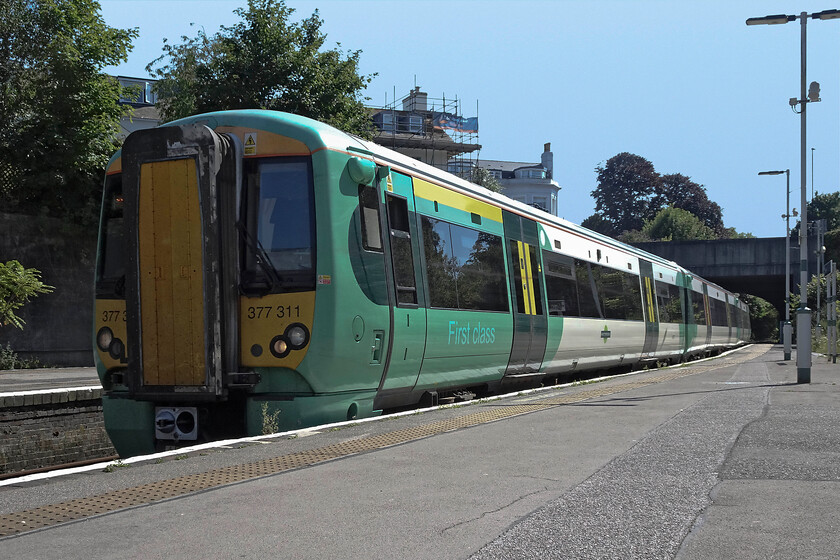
x: 259, y: 271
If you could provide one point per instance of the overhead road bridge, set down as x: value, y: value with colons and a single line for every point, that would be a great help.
x: 753, y: 266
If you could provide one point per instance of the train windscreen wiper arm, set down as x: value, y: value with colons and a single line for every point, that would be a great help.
x: 261, y: 256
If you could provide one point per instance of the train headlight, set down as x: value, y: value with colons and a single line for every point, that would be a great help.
x: 297, y: 335
x: 104, y: 338
x: 279, y: 346
x: 117, y: 349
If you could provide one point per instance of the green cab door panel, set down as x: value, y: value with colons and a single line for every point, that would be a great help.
x: 407, y: 341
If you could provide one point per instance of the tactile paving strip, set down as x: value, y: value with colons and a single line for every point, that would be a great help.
x: 71, y: 510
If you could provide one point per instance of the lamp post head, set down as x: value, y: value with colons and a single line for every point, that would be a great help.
x: 770, y: 172
x: 826, y: 14
x: 771, y: 20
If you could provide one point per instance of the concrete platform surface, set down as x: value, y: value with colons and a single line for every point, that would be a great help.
x: 727, y: 458
x: 19, y: 380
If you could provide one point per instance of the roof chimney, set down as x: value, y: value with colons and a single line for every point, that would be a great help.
x: 547, y: 160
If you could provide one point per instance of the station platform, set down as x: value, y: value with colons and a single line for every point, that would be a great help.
x: 723, y: 458
x: 45, y: 379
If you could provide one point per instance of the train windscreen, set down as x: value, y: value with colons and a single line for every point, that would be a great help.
x: 110, y: 272
x: 280, y: 226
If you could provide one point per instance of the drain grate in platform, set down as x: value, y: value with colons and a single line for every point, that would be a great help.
x: 71, y: 510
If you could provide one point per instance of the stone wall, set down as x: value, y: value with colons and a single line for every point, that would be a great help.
x: 58, y: 325
x: 44, y: 430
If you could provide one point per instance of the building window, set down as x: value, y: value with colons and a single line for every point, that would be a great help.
x: 384, y: 121
x: 462, y: 168
x: 410, y: 123
x: 530, y: 173
x: 540, y: 202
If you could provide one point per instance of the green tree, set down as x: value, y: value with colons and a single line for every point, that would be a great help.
x: 265, y: 61
x: 626, y: 185
x: 825, y: 207
x: 732, y: 233
x: 58, y: 112
x: 17, y: 286
x: 676, y: 224
x: 764, y: 318
x: 596, y: 222
x: 680, y: 191
x: 481, y: 176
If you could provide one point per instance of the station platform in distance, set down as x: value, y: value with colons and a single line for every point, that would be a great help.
x: 723, y: 458
x: 44, y: 379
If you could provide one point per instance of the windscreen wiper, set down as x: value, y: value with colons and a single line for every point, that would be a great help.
x: 261, y: 256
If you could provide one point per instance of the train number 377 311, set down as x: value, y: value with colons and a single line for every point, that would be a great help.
x: 270, y: 311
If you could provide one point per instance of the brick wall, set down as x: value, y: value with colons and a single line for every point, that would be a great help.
x: 35, y: 435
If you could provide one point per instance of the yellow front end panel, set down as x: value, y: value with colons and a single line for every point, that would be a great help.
x: 171, y: 274
x: 265, y: 319
x: 110, y: 313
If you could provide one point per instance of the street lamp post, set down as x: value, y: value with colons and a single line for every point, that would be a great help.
x: 786, y: 328
x: 803, y: 314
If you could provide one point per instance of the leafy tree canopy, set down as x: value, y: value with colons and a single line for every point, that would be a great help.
x: 481, y: 176
x: 265, y: 61
x: 764, y: 318
x: 680, y: 191
x: 626, y: 185
x: 17, y: 286
x: 825, y: 207
x: 676, y: 224
x: 596, y: 222
x: 58, y: 111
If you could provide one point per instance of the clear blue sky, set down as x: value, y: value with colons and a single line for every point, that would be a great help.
x: 685, y: 84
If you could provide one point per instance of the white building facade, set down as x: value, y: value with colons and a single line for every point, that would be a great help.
x: 531, y: 183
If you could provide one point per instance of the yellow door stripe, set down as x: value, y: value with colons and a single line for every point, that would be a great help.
x: 651, y: 316
x: 529, y: 271
x: 523, y: 277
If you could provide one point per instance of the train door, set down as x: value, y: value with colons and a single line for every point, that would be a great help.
x: 179, y: 288
x: 649, y: 306
x: 530, y: 325
x: 407, y: 342
x: 708, y: 307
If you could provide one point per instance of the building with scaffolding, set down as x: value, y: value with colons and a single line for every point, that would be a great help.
x: 430, y: 130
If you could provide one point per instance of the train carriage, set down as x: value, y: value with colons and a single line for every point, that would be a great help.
x: 259, y: 271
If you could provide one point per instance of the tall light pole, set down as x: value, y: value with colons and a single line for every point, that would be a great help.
x: 803, y: 314
x: 786, y: 329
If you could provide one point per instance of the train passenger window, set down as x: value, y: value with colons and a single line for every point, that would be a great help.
x: 560, y: 285
x: 369, y: 216
x: 670, y: 306
x: 464, y: 267
x: 718, y: 309
x: 401, y: 255
x: 481, y: 270
x: 590, y: 305
x: 110, y: 275
x: 440, y: 267
x: 280, y: 218
x: 619, y: 292
x: 699, y: 307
